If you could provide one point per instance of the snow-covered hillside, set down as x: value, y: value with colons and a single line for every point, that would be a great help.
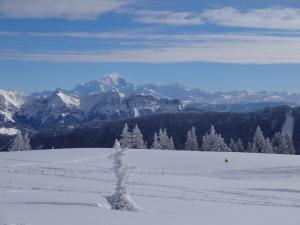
x: 59, y: 187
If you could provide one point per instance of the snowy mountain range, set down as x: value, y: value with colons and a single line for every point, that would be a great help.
x: 115, y: 82
x: 114, y: 98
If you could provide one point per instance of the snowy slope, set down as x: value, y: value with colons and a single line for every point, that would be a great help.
x: 59, y: 187
x: 12, y: 98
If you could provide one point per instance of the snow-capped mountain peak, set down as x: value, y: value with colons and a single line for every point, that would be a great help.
x: 59, y: 98
x: 10, y: 102
x: 113, y: 81
x: 12, y: 98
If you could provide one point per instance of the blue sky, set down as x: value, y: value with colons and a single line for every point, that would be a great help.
x: 212, y: 45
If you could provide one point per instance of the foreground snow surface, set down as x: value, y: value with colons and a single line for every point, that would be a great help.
x: 66, y: 187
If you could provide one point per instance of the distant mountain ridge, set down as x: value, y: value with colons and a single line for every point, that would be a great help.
x: 113, y: 98
x: 115, y: 82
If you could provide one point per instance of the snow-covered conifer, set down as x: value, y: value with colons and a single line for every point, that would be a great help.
x: 165, y: 142
x: 240, y: 145
x: 137, y: 139
x: 20, y: 143
x: 290, y: 144
x: 233, y: 145
x: 249, y: 147
x: 27, y: 141
x: 191, y: 140
x: 214, y: 142
x: 268, y: 148
x: 156, y: 142
x: 283, y: 144
x: 259, y: 141
x: 126, y: 137
x: 121, y: 199
x: 171, y: 144
x: 276, y: 142
x: 163, y: 139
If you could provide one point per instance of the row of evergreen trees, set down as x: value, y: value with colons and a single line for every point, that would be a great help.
x: 135, y: 139
x: 281, y: 143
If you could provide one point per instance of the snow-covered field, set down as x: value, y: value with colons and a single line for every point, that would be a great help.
x: 64, y: 187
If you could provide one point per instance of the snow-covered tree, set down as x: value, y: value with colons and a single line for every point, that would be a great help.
x: 249, y: 147
x: 290, y: 144
x: 214, y: 142
x: 191, y: 140
x: 171, y: 144
x: 268, y: 148
x: 126, y: 137
x: 240, y: 145
x: 121, y: 199
x: 156, y: 142
x: 27, y: 141
x: 283, y: 143
x: 233, y: 145
x: 259, y: 141
x: 276, y: 142
x: 163, y: 139
x: 137, y: 139
x: 20, y: 143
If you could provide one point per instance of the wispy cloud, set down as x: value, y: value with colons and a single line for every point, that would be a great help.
x: 224, y: 48
x: 281, y: 18
x: 64, y: 9
x: 265, y: 18
x: 167, y: 17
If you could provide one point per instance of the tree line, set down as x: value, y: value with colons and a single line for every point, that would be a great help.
x: 280, y: 143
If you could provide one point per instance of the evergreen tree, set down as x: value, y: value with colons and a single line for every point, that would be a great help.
x: 126, y: 137
x: 283, y: 143
x: 268, y: 148
x: 259, y: 141
x: 214, y: 142
x: 191, y: 140
x: 165, y: 142
x: 233, y: 146
x: 164, y: 139
x: 20, y: 143
x: 249, y: 147
x: 290, y: 145
x: 27, y: 141
x: 240, y: 145
x: 137, y: 139
x: 156, y: 142
x: 171, y: 144
x: 121, y: 199
x: 276, y: 142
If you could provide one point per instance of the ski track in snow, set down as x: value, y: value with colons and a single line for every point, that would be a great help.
x: 93, y: 176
